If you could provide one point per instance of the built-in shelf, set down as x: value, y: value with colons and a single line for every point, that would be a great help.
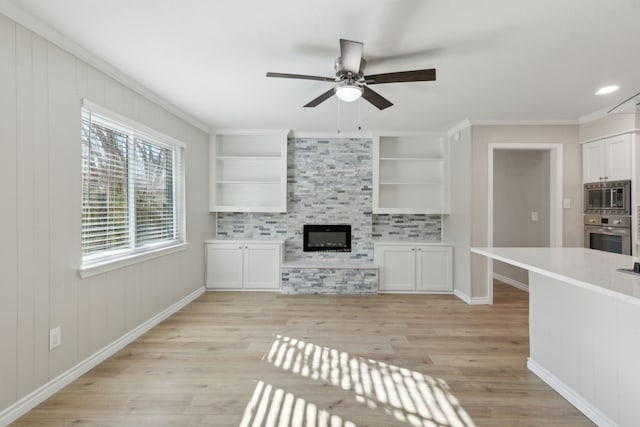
x: 411, y: 183
x: 248, y: 182
x: 263, y: 158
x: 411, y: 159
x: 411, y: 174
x: 248, y: 171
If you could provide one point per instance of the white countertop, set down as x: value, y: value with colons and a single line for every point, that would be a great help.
x: 329, y: 265
x: 244, y: 241
x: 412, y: 242
x: 588, y: 268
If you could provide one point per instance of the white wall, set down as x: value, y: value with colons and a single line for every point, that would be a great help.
x: 482, y: 136
x: 457, y: 225
x: 521, y: 185
x: 40, y: 187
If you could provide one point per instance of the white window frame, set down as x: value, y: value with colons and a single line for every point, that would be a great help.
x: 110, y: 260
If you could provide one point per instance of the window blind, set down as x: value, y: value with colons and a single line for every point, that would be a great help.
x: 132, y: 189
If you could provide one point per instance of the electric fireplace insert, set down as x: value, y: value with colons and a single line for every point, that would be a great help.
x: 326, y: 238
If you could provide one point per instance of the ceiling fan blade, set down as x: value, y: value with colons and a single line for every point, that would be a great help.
x: 402, y: 76
x: 328, y: 94
x: 375, y: 98
x: 373, y: 61
x: 301, y: 76
x: 350, y: 56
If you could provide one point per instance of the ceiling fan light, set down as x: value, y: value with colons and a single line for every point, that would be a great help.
x: 348, y: 93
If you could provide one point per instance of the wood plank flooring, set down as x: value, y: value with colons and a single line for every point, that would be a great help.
x: 254, y: 359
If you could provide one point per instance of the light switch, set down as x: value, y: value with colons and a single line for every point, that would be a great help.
x: 534, y: 216
x: 566, y: 203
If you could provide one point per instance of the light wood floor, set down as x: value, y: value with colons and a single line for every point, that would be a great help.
x: 231, y: 359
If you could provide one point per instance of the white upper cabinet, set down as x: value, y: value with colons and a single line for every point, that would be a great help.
x: 410, y: 174
x: 248, y: 171
x: 607, y: 160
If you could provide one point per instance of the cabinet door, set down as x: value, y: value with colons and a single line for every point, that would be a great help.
x: 397, y: 267
x: 593, y: 155
x: 618, y: 157
x: 262, y: 266
x: 224, y: 266
x: 433, y: 268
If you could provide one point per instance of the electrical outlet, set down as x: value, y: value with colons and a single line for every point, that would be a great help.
x: 534, y: 216
x: 55, y: 337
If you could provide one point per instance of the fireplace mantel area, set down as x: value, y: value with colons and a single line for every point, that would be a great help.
x: 329, y: 182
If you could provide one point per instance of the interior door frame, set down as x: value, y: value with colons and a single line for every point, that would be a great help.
x: 555, y: 196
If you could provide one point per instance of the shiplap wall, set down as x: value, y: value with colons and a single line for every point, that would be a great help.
x: 40, y: 192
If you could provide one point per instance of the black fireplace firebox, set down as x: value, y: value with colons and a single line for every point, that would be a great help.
x: 326, y: 238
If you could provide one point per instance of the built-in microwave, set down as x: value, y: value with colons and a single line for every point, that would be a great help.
x: 607, y: 198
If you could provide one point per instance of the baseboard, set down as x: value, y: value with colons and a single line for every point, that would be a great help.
x: 590, y: 411
x: 511, y: 282
x: 464, y: 297
x: 479, y: 301
x: 470, y: 300
x: 47, y: 390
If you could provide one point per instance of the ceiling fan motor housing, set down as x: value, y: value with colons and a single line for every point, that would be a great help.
x: 342, y: 74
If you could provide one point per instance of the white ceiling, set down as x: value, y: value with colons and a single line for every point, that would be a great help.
x: 507, y: 60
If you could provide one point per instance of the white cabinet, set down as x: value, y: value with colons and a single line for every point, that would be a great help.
x: 410, y: 174
x: 243, y: 264
x: 409, y: 267
x: 248, y: 171
x: 607, y: 160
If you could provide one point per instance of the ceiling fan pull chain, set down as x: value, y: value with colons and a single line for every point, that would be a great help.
x: 359, y: 114
x: 338, y: 118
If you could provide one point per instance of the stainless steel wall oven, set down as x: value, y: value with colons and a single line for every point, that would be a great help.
x: 607, y: 216
x: 611, y: 233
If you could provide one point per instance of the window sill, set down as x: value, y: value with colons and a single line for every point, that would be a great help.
x: 96, y: 268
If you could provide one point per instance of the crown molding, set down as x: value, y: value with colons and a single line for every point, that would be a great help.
x: 235, y: 131
x: 466, y: 123
x: 330, y: 135
x: 523, y: 122
x: 45, y: 31
x: 596, y: 115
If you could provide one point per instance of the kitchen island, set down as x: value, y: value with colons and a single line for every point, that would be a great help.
x: 584, y: 327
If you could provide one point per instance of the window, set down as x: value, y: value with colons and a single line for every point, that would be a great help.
x: 132, y: 188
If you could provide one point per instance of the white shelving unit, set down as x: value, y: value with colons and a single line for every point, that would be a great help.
x: 410, y: 174
x: 248, y: 171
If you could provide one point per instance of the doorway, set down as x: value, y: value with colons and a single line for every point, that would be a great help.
x: 547, y: 216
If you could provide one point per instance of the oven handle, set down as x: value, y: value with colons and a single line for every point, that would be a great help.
x: 608, y: 230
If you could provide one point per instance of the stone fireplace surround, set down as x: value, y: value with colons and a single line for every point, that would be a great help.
x: 329, y: 181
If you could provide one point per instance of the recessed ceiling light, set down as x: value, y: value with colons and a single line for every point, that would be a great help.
x: 607, y: 89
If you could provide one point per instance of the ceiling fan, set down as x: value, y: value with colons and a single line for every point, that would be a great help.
x: 351, y: 81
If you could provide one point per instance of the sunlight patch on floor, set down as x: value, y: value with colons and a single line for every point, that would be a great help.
x: 408, y: 396
x: 273, y: 407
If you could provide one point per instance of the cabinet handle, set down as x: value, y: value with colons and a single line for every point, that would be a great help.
x: 413, y: 249
x: 606, y: 177
x: 239, y: 247
x: 419, y: 249
x: 246, y: 247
